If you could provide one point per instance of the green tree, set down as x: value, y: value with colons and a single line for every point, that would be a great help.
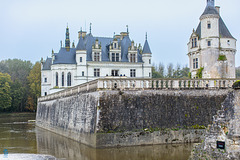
x: 34, y: 80
x: 18, y: 70
x: 170, y: 70
x: 5, y: 97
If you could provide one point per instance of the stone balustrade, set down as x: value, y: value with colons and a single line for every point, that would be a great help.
x: 123, y: 83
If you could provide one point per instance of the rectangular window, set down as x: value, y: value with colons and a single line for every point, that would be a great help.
x: 82, y: 73
x: 132, y: 72
x: 117, y: 57
x: 149, y: 74
x: 149, y: 61
x: 192, y: 43
x: 96, y: 72
x: 209, y: 26
x: 115, y: 72
x: 133, y: 57
x: 80, y: 59
x: 45, y: 93
x: 195, y: 63
x: 113, y: 57
x: 209, y: 43
x: 45, y: 80
x: 195, y: 42
x: 97, y: 57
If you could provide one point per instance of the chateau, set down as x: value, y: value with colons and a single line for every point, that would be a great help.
x: 92, y: 58
x: 212, y: 48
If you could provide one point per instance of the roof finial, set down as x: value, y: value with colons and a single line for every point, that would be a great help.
x: 90, y: 27
x: 127, y: 28
x: 81, y: 30
x: 61, y: 44
x: 67, y: 25
x: 146, y: 35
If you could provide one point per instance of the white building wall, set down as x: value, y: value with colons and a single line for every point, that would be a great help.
x: 46, y: 85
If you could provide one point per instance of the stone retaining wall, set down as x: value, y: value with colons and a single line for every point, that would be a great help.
x: 104, y: 118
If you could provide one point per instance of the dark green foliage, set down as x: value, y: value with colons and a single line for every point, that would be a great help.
x: 199, y: 72
x: 222, y: 58
x: 21, y: 87
x: 5, y: 96
x: 236, y: 84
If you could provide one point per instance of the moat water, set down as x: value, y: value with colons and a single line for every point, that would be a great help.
x: 22, y: 139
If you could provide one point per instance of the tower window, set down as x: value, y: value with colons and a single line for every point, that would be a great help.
x: 132, y: 72
x: 195, y: 63
x: 194, y: 42
x: 82, y: 73
x: 228, y: 42
x: 209, y: 43
x: 209, y: 25
x: 149, y: 61
x: 80, y: 59
x: 45, y: 93
x: 96, y: 72
x: 45, y: 80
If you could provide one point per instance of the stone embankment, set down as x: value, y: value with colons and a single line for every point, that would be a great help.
x: 222, y: 140
x: 107, y: 118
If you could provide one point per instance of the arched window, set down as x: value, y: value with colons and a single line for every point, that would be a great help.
x: 69, y: 78
x: 62, y: 78
x: 56, y: 79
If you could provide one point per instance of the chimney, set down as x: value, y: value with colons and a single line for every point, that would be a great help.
x: 82, y: 33
x: 218, y: 9
x: 123, y: 34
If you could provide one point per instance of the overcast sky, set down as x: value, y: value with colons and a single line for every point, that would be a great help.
x: 30, y: 29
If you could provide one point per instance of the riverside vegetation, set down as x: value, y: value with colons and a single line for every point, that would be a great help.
x: 20, y: 85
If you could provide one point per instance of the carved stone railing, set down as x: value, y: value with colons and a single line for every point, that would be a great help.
x: 123, y: 83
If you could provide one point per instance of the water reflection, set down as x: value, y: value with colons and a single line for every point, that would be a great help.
x: 26, y: 138
x: 61, y: 147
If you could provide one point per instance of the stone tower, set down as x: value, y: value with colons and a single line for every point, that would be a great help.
x: 212, y: 48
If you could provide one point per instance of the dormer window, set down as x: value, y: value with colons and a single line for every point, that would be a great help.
x: 209, y: 25
x: 194, y: 42
x: 132, y: 57
x: 115, y: 57
x: 96, y: 56
x: 115, y: 45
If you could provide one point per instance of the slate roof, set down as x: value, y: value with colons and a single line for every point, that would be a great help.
x: 81, y: 45
x: 210, y: 10
x: 65, y: 56
x: 146, y: 48
x: 69, y: 57
x: 47, y: 64
x: 223, y: 30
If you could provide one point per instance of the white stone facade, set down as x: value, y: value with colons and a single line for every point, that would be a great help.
x: 212, y: 47
x: 57, y: 76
